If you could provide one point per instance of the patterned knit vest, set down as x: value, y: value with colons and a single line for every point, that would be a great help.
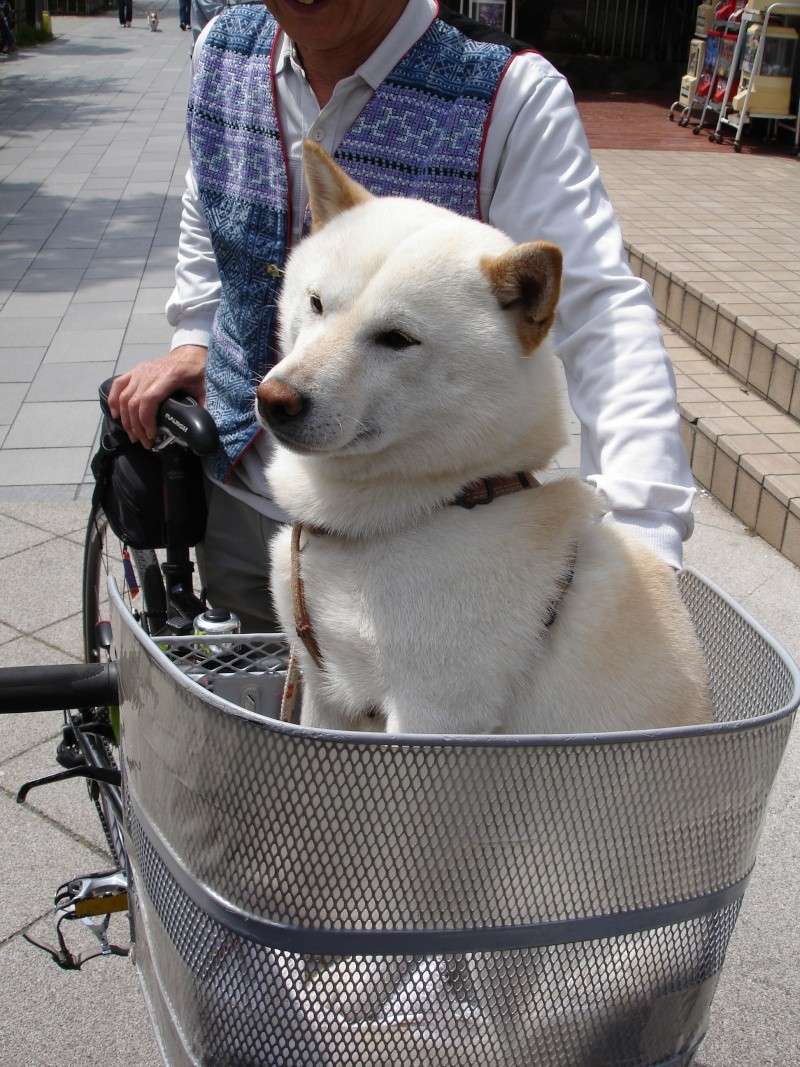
x: 420, y: 135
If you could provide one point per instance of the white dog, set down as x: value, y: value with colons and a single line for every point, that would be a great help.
x: 415, y: 363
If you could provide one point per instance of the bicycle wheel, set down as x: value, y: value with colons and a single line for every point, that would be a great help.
x: 138, y: 576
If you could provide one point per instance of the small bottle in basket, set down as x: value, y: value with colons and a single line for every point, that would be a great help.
x: 214, y: 622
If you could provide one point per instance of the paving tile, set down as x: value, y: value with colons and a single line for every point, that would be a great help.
x: 25, y: 332
x: 66, y: 258
x: 16, y: 536
x: 113, y: 269
x: 746, y: 499
x: 771, y: 520
x: 85, y: 346
x: 54, y: 425
x: 42, y: 466
x: 149, y: 329
x: 11, y: 398
x: 752, y: 444
x: 99, y: 316
x: 105, y: 290
x: 151, y: 301
x: 723, y: 482
x: 131, y: 355
x: 38, y: 280
x: 69, y: 381
x: 36, y: 305
x: 703, y: 459
x: 791, y: 539
x: 58, y: 516
x: 44, y: 582
x: 66, y: 635
x: 759, y: 466
x: 785, y: 487
x: 761, y: 366
x: 789, y: 442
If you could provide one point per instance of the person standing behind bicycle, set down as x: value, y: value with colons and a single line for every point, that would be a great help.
x: 410, y: 106
x: 7, y: 42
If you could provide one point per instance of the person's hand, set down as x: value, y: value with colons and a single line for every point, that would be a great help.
x: 135, y: 397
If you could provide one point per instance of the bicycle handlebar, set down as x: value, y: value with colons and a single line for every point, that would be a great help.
x: 182, y: 417
x: 67, y: 685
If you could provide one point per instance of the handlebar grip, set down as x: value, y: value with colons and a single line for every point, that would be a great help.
x: 67, y: 685
x: 180, y: 415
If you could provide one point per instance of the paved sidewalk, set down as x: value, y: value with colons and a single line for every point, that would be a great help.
x: 91, y: 171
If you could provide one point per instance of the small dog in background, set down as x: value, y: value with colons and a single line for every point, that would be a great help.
x: 152, y: 21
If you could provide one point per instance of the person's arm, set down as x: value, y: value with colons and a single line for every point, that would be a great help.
x: 545, y: 184
x: 135, y: 396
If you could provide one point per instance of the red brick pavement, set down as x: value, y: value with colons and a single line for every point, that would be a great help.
x: 639, y: 120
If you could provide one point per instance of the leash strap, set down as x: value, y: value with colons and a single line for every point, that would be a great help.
x: 302, y: 620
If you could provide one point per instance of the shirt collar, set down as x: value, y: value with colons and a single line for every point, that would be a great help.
x: 408, y: 29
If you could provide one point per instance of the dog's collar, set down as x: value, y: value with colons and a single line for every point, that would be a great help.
x: 482, y: 491
x: 485, y: 490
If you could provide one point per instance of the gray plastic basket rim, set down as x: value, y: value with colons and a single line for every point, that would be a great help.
x: 414, y: 941
x: 357, y: 737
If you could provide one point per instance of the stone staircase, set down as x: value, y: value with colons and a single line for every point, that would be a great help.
x: 739, y: 398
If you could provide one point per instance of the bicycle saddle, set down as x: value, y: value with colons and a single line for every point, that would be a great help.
x: 182, y: 418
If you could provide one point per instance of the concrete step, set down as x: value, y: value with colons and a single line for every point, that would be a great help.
x: 755, y: 357
x: 744, y: 449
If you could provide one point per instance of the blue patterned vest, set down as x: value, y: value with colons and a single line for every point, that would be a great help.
x: 421, y: 135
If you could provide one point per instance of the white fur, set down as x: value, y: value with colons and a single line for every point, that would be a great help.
x: 432, y: 613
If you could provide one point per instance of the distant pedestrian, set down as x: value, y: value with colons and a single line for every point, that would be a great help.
x: 7, y: 42
x: 125, y: 13
x: 184, y: 13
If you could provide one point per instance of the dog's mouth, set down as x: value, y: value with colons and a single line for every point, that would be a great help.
x: 306, y: 447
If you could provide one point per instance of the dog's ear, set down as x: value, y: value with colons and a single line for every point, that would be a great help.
x: 330, y: 190
x: 527, y: 281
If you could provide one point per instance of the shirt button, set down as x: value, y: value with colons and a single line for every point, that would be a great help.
x: 273, y: 270
x: 318, y: 135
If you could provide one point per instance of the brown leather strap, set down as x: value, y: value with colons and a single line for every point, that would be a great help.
x: 485, y: 490
x: 302, y: 619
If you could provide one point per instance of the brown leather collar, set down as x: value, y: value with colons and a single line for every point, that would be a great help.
x: 483, y: 491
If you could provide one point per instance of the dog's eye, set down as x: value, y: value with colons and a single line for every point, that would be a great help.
x: 395, y: 339
x: 316, y: 304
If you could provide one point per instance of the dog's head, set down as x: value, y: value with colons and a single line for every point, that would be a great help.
x: 410, y: 335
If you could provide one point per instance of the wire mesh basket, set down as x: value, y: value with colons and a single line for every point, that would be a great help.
x: 305, y: 898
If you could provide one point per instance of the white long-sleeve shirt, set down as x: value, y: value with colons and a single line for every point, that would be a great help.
x: 538, y: 181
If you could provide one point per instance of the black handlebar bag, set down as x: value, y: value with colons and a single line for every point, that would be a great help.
x: 152, y: 499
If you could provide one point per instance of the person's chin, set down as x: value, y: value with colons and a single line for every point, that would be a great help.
x: 299, y: 7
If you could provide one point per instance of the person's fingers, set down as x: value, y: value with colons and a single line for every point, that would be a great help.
x: 128, y: 411
x: 117, y: 387
x: 136, y: 430
x: 148, y: 408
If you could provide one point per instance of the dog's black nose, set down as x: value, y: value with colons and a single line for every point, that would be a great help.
x: 280, y: 402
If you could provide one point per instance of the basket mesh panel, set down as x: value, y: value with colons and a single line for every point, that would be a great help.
x: 608, y: 1002
x: 321, y: 833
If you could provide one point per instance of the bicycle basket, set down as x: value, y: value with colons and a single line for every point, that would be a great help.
x: 305, y: 897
